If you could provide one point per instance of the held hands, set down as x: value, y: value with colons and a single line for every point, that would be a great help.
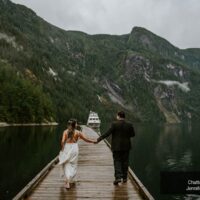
x: 95, y: 142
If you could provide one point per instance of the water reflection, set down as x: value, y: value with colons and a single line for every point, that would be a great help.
x: 24, y: 151
x: 120, y: 192
x: 173, y: 149
x: 159, y: 148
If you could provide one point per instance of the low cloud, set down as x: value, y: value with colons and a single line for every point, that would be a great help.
x: 175, y: 20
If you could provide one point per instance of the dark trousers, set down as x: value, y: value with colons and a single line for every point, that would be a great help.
x: 121, y: 159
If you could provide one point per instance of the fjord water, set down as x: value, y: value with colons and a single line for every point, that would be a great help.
x: 24, y: 151
x: 165, y: 147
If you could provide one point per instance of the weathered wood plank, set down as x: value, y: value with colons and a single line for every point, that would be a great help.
x: 27, y: 189
x: 94, y: 177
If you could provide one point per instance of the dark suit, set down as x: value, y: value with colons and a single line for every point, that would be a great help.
x: 121, y: 132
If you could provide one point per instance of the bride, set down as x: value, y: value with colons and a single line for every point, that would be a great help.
x: 68, y: 156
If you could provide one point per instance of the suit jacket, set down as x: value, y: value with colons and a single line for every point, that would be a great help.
x: 121, y: 132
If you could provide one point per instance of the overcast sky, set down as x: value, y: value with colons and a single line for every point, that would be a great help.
x: 178, y: 21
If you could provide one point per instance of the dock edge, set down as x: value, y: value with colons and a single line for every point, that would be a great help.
x: 36, y: 180
x: 141, y: 188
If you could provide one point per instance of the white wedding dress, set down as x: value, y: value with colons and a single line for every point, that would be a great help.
x: 68, y: 159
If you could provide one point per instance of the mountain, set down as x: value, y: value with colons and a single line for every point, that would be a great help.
x: 48, y: 74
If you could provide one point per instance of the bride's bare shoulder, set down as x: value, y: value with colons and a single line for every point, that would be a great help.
x: 65, y: 131
x: 77, y: 132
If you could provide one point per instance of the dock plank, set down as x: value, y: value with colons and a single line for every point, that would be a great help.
x: 94, y: 177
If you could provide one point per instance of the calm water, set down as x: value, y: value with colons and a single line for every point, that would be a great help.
x: 165, y: 148
x: 24, y: 151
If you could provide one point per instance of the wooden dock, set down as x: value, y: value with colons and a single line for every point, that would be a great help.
x: 94, y: 178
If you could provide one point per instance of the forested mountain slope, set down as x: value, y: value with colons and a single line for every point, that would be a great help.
x: 48, y: 74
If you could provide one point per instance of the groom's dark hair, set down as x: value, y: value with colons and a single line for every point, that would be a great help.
x: 121, y: 114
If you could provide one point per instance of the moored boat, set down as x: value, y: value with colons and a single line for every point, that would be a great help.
x: 93, y: 120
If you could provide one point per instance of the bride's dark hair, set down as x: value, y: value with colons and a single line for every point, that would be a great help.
x: 71, y: 128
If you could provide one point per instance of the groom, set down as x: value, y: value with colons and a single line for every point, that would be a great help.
x: 121, y: 132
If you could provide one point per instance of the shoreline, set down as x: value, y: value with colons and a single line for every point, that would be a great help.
x: 5, y: 124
